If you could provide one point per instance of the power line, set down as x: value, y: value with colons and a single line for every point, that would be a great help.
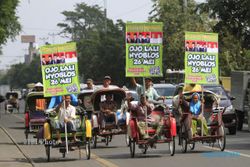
x: 40, y: 29
x: 11, y: 56
x: 133, y: 10
x: 53, y: 35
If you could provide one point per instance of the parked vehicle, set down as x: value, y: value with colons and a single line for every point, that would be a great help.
x: 1, y: 98
x: 166, y: 90
x: 240, y: 89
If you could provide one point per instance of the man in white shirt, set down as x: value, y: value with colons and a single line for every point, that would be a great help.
x: 66, y: 115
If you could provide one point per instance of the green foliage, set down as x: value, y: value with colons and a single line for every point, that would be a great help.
x: 230, y: 19
x: 233, y: 26
x: 177, y: 19
x: 100, y: 52
x: 9, y: 25
x: 21, y: 74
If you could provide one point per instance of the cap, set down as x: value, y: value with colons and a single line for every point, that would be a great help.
x: 148, y: 78
x: 89, y: 80
x: 38, y: 84
x: 107, y: 77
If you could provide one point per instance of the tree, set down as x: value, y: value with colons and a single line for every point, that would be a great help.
x: 177, y: 19
x: 9, y: 25
x: 234, y: 15
x: 233, y: 25
x: 19, y: 75
x: 100, y: 52
x: 84, y: 22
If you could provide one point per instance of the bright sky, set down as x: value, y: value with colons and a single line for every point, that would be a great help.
x: 40, y: 18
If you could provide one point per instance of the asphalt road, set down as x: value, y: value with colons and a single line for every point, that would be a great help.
x: 237, y: 151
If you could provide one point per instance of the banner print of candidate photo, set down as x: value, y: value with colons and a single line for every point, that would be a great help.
x: 144, y: 37
x: 58, y: 58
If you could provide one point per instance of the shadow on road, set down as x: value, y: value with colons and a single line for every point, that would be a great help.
x: 16, y: 128
x: 238, y: 146
x: 20, y: 122
x: 53, y: 159
x: 105, y: 147
x: 6, y: 143
x: 16, y: 160
x: 127, y: 156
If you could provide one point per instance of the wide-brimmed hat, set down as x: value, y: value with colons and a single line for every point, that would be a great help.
x: 38, y: 84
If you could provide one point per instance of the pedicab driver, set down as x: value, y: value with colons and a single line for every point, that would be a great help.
x: 139, y: 110
x: 66, y: 115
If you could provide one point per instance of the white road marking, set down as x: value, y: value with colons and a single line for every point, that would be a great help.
x: 229, y: 151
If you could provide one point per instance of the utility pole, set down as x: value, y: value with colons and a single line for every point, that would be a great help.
x: 44, y: 39
x: 53, y: 35
x: 105, y: 13
x: 184, y: 6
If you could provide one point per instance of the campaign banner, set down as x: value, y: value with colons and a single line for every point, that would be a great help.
x: 201, y: 58
x: 144, y: 49
x: 59, y: 69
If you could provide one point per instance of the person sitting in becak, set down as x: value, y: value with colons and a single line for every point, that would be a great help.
x: 67, y: 116
x: 197, y: 116
x: 108, y: 110
x: 140, y: 110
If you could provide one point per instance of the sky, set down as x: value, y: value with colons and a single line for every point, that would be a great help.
x: 40, y: 18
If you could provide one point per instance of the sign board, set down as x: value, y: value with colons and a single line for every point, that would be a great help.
x: 59, y: 69
x: 144, y: 49
x: 28, y: 38
x: 201, y: 58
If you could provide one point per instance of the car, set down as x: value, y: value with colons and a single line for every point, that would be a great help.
x: 2, y: 98
x: 229, y: 117
x: 166, y: 90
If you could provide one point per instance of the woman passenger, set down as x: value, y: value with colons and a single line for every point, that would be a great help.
x: 197, y: 116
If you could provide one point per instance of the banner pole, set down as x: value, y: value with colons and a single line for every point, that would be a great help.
x: 146, y: 111
x: 66, y: 132
x: 202, y: 109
